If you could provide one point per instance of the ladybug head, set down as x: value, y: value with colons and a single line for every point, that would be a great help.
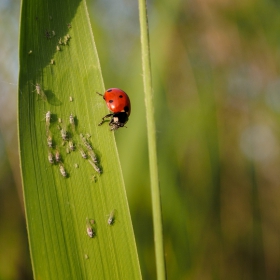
x: 118, y: 120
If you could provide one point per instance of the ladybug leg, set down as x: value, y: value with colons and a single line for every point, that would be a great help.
x: 105, y: 117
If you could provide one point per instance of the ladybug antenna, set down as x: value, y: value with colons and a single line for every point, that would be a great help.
x: 99, y: 93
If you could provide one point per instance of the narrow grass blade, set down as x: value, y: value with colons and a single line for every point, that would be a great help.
x: 151, y: 130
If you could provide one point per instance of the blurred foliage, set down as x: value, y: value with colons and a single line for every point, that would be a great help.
x: 216, y: 88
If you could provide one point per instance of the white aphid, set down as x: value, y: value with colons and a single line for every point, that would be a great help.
x: 50, y: 158
x: 49, y: 141
x: 40, y: 92
x: 112, y: 217
x: 90, y: 231
x: 96, y: 168
x: 62, y: 170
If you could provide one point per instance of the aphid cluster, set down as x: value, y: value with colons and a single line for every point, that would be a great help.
x: 63, y: 42
x: 91, y: 224
x: 54, y: 157
x: 93, y: 158
x: 66, y: 39
x: 67, y: 141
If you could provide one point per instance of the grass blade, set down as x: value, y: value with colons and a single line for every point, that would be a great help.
x: 151, y: 131
x: 61, y: 210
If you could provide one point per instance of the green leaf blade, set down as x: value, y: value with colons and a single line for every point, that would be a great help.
x: 57, y: 207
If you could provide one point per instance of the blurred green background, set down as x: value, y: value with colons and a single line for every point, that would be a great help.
x: 217, y: 104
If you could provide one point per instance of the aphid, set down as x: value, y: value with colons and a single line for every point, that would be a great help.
x: 63, y: 133
x: 53, y: 33
x: 68, y: 36
x: 59, y: 120
x: 85, y: 142
x: 52, y: 62
x: 62, y: 170
x: 70, y: 98
x: 50, y: 157
x: 96, y: 168
x: 112, y: 217
x: 48, y: 34
x: 60, y: 41
x: 30, y: 52
x: 90, y: 231
x: 58, y: 48
x: 76, y: 165
x: 93, y: 178
x: 93, y: 156
x: 48, y: 118
x: 65, y: 41
x: 72, y: 121
x: 88, y: 135
x: 57, y: 156
x: 40, y: 92
x: 67, y: 150
x: 49, y: 141
x: 71, y: 145
x: 69, y: 25
x: 83, y: 154
x: 119, y: 104
x: 86, y: 257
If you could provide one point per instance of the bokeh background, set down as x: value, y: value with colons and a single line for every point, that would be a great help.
x: 217, y: 107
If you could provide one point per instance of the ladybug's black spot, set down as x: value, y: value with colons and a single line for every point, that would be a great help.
x: 126, y: 109
x: 120, y: 96
x: 111, y: 101
x: 109, y: 90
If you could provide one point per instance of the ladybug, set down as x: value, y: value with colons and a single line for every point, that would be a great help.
x: 117, y: 102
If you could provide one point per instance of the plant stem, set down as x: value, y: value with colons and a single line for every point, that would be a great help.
x: 151, y: 132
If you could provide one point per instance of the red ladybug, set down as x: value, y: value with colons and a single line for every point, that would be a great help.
x: 118, y: 102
